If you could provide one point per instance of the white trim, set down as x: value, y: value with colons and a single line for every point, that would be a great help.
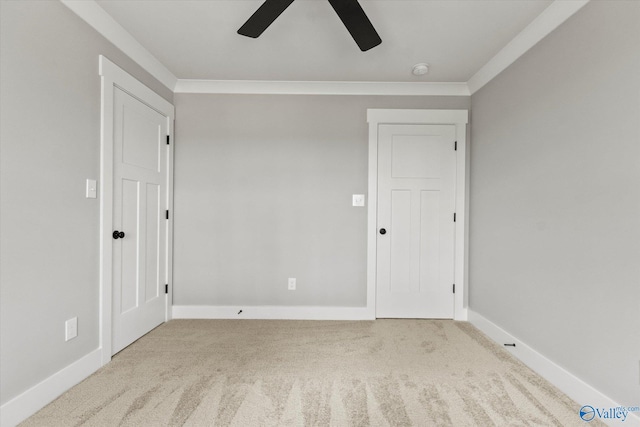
x: 578, y: 390
x: 270, y: 312
x: 432, y: 117
x: 372, y: 214
x: 28, y: 403
x: 321, y: 88
x: 459, y: 118
x: 169, y: 261
x: 550, y: 19
x: 110, y: 29
x: 114, y: 76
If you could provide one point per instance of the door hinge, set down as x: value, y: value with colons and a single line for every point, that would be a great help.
x: 167, y: 139
x: 167, y: 213
x: 454, y: 288
x: 166, y: 288
x: 454, y: 217
x: 455, y: 146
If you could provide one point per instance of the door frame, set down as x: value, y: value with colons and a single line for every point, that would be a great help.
x: 459, y: 119
x: 113, y: 76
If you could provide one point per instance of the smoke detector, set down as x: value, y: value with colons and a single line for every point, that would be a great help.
x: 420, y: 69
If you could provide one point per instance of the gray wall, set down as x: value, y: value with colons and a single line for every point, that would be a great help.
x: 555, y: 198
x: 263, y: 189
x: 50, y: 140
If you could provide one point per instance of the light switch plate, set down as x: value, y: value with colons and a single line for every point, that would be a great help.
x: 358, y: 200
x: 71, y: 329
x: 92, y: 189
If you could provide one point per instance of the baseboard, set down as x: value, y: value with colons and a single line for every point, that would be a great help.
x: 569, y: 384
x: 461, y: 314
x: 271, y: 312
x: 28, y: 403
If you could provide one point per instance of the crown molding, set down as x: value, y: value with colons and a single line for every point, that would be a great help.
x: 104, y: 24
x: 550, y: 19
x: 321, y: 88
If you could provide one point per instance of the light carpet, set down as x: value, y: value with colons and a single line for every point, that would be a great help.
x: 308, y: 373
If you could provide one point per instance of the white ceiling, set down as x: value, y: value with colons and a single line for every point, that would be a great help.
x: 197, y: 39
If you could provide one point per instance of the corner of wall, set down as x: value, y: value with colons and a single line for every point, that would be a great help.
x: 28, y: 403
x: 578, y: 390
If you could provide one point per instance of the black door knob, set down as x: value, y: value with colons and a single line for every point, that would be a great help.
x: 118, y: 234
x: 383, y: 231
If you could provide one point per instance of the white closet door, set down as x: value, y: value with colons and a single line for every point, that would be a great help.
x: 416, y: 203
x: 140, y: 201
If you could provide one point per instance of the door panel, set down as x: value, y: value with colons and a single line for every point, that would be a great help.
x: 414, y: 157
x: 429, y: 247
x: 400, y: 271
x: 141, y: 142
x: 153, y: 245
x: 127, y: 255
x: 416, y: 188
x: 140, y: 200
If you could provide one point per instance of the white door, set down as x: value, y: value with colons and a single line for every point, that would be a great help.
x: 416, y: 203
x: 139, y: 206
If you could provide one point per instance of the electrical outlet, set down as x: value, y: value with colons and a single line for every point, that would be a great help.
x: 358, y: 200
x: 292, y: 283
x: 71, y: 329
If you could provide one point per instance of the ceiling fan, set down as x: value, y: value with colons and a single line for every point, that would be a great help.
x: 349, y: 11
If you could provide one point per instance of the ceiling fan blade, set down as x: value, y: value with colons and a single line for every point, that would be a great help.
x: 356, y: 21
x: 263, y: 17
